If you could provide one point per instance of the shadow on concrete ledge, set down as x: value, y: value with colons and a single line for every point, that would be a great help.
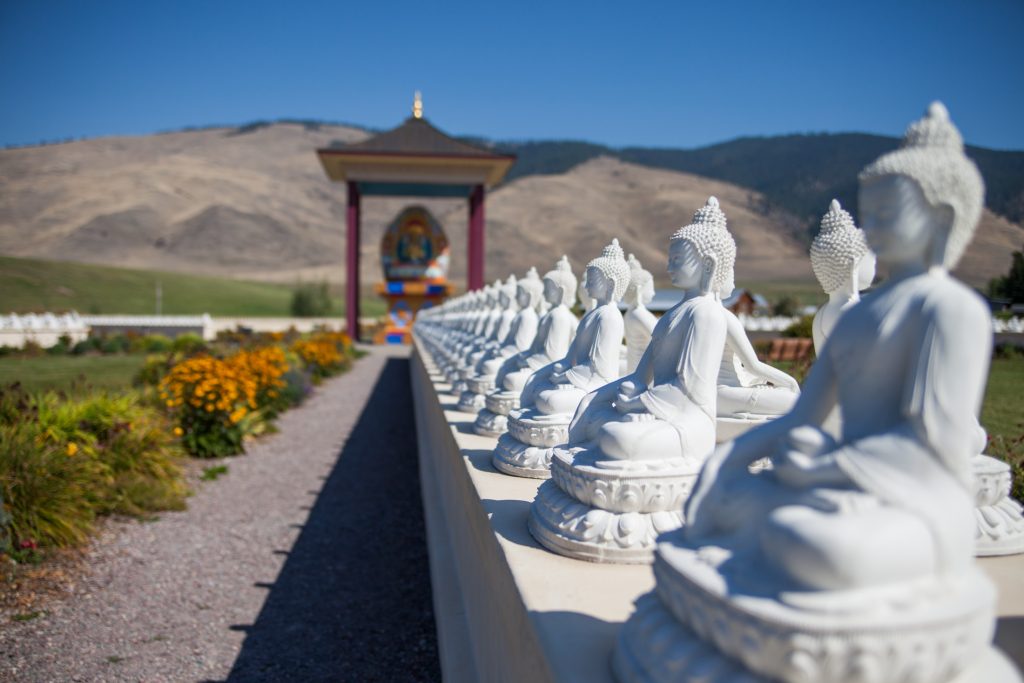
x: 353, y: 600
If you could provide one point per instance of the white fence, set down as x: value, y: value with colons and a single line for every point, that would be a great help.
x: 45, y: 329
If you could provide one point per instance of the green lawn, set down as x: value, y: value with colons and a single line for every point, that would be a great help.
x: 61, y: 372
x: 29, y: 285
x: 1003, y: 410
x: 1002, y: 413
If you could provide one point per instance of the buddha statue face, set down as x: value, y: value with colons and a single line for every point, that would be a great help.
x: 522, y: 296
x: 552, y: 292
x: 684, y: 265
x: 901, y: 227
x: 599, y: 287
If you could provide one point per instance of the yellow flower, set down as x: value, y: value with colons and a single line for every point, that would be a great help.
x: 178, y: 431
x: 71, y: 449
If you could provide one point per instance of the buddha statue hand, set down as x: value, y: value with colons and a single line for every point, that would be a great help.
x: 805, y: 460
x: 627, y: 399
x: 728, y: 463
x: 592, y: 411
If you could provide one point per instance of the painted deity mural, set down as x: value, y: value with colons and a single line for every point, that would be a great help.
x: 415, y: 256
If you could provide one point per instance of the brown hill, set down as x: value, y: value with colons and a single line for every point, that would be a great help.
x: 256, y: 204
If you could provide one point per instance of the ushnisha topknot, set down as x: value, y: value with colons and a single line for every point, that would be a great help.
x: 509, y: 287
x: 612, y: 264
x: 710, y: 237
x: 638, y: 277
x: 532, y: 285
x: 837, y: 248
x: 562, y: 276
x: 932, y: 154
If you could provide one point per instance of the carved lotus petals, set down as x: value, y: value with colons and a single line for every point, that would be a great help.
x: 567, y: 526
x: 470, y: 402
x: 490, y: 424
x: 514, y: 457
x: 647, y: 487
x: 502, y: 403
x: 932, y: 642
x: 552, y: 431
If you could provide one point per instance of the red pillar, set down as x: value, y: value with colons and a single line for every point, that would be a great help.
x: 352, y: 262
x: 476, y: 238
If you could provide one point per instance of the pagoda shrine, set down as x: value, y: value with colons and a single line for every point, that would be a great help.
x: 413, y: 160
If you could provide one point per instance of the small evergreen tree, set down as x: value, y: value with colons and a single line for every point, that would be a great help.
x: 1011, y: 285
x: 311, y: 300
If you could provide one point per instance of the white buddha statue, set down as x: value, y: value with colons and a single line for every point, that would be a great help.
x: 555, y: 332
x: 843, y: 265
x: 483, y: 327
x: 639, y: 321
x: 553, y: 392
x: 518, y: 339
x: 636, y: 445
x: 750, y: 392
x: 852, y: 559
x: 586, y: 301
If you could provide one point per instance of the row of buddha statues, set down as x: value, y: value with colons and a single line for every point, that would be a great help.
x: 815, y: 533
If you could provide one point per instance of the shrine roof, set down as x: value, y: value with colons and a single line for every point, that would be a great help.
x: 417, y: 136
x: 414, y: 155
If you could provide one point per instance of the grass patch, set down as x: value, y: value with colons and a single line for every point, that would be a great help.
x: 71, y: 373
x: 1002, y: 413
x: 213, y: 473
x: 31, y: 285
x: 27, y: 616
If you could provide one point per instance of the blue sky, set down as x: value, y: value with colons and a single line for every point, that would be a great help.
x: 673, y: 74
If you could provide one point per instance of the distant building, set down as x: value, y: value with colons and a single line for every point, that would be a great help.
x: 741, y: 301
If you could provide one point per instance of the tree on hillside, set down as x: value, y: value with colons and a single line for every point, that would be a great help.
x: 1011, y: 285
x: 311, y: 300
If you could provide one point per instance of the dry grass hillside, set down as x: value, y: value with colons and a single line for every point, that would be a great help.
x: 255, y: 204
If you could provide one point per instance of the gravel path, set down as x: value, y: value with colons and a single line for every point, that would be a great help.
x: 305, y: 562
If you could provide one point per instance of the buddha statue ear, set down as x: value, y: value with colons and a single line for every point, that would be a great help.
x: 709, y: 264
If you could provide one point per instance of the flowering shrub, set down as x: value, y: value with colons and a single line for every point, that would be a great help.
x: 325, y: 353
x: 267, y: 367
x: 214, y: 403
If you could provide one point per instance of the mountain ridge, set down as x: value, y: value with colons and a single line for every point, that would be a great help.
x: 252, y: 202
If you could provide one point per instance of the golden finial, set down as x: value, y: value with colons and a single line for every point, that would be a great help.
x: 417, y: 105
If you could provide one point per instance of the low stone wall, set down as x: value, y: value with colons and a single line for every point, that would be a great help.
x: 508, y: 610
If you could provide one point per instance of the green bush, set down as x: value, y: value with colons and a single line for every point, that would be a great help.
x: 800, y: 329
x: 188, y: 343
x: 117, y: 343
x: 132, y: 445
x: 47, y: 494
x: 62, y: 347
x: 151, y: 343
x: 311, y: 300
x: 63, y: 461
x: 86, y: 345
x: 1010, y: 451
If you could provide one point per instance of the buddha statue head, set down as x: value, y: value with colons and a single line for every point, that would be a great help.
x: 507, y: 292
x: 530, y: 290
x: 920, y: 204
x: 560, y: 284
x: 703, y: 254
x: 840, y: 256
x: 641, y: 284
x: 607, y: 276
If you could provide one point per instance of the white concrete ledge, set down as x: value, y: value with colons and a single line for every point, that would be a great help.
x: 508, y: 610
